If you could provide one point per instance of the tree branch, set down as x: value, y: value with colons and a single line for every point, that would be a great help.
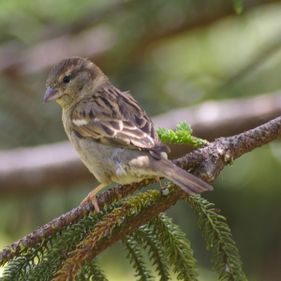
x: 29, y: 169
x: 206, y: 162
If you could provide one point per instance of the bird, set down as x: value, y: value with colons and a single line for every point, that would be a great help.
x: 113, y: 135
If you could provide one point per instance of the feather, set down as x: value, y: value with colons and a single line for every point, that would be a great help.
x: 114, y: 117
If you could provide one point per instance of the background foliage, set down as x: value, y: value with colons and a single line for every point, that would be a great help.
x: 151, y: 48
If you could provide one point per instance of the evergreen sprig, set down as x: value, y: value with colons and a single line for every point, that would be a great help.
x: 217, y: 234
x: 146, y: 237
x: 91, y: 271
x: 19, y: 266
x: 43, y: 261
x: 181, y: 135
x: 176, y: 247
x: 142, y: 273
x: 60, y: 245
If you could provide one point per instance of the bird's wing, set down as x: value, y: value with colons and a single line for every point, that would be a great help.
x: 114, y: 117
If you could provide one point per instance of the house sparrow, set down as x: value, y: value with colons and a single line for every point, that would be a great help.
x: 113, y: 135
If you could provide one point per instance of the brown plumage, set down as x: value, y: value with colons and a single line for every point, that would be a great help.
x: 113, y: 135
x: 114, y: 118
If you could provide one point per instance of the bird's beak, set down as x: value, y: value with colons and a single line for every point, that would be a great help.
x: 51, y: 94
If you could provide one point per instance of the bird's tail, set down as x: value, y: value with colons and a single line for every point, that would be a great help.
x: 186, y: 181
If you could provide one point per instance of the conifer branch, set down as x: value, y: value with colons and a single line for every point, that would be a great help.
x: 206, y: 162
x: 151, y: 242
x: 137, y: 259
x: 226, y: 259
x: 176, y: 246
x: 91, y: 272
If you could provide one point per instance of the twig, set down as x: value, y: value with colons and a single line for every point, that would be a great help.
x: 206, y: 162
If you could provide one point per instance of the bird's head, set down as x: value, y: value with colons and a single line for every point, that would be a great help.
x: 71, y: 79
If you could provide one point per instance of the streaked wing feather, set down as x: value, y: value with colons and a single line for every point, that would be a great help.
x: 114, y: 117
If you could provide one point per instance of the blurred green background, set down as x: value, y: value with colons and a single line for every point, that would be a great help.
x: 170, y: 54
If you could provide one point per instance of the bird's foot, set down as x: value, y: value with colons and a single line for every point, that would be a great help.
x: 91, y: 198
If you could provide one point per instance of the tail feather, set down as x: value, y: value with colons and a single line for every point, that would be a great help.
x: 186, y: 181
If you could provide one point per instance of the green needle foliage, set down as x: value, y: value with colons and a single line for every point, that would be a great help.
x: 136, y: 258
x: 182, y: 134
x: 18, y: 267
x: 225, y: 255
x: 167, y: 248
x: 146, y: 237
x: 43, y: 261
x: 91, y: 271
x: 176, y: 247
x: 160, y: 243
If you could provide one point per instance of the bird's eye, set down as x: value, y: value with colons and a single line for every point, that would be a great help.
x: 66, y: 79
